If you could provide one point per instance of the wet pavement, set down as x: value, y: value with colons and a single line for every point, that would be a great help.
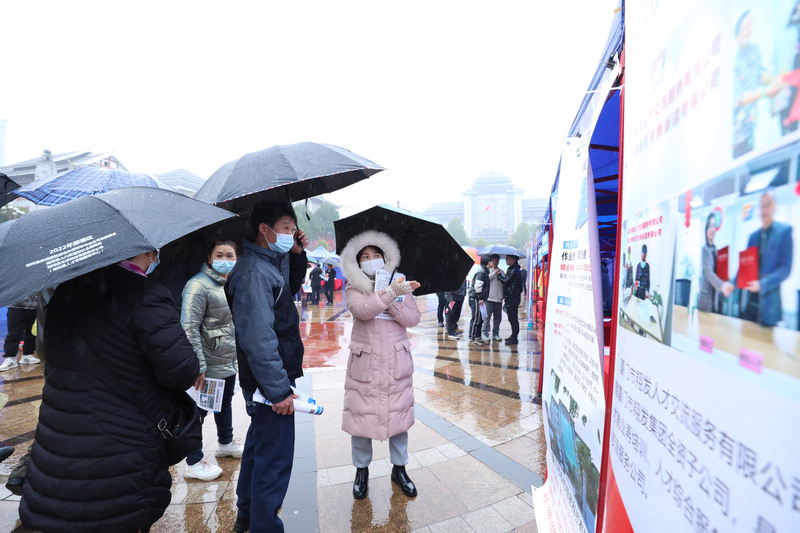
x: 475, y: 450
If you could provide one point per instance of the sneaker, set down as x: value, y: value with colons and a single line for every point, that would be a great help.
x: 8, y: 364
x: 459, y: 330
x: 203, y: 471
x: 497, y: 338
x: 475, y: 342
x: 29, y: 360
x: 441, y: 324
x: 453, y: 337
x: 511, y: 342
x: 229, y: 450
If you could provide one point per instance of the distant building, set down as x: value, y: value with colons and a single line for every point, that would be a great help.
x: 183, y: 181
x: 47, y: 164
x: 492, y: 209
x: 446, y: 211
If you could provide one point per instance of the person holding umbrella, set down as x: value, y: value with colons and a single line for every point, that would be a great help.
x: 206, y: 318
x: 512, y: 289
x: 98, y: 463
x: 269, y: 348
x: 378, y: 390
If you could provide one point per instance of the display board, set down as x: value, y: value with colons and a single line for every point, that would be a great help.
x: 707, y: 375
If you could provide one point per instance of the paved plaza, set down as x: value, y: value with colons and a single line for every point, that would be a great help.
x: 475, y: 450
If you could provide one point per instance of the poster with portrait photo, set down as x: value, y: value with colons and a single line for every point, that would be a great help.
x: 647, y: 251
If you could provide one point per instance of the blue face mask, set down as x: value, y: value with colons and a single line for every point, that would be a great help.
x: 152, y: 266
x: 222, y: 266
x: 283, y: 243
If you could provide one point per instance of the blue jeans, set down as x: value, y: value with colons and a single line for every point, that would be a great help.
x: 223, y: 420
x: 266, y: 466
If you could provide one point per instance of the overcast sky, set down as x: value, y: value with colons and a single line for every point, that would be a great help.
x: 435, y: 91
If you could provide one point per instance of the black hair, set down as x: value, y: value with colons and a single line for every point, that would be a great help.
x: 485, y: 258
x: 376, y: 248
x: 269, y: 212
x: 644, y: 248
x: 232, y: 244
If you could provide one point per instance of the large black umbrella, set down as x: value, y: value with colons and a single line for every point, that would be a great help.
x: 51, y: 245
x: 430, y: 255
x: 285, y: 172
x: 6, y: 186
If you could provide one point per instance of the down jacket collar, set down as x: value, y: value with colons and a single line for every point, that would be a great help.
x: 349, y: 265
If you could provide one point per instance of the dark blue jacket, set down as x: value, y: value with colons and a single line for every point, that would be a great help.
x: 775, y: 267
x: 268, y: 344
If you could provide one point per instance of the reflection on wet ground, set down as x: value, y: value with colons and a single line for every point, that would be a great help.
x: 475, y: 450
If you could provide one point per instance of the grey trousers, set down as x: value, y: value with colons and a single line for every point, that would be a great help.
x: 398, y: 450
x: 493, y: 309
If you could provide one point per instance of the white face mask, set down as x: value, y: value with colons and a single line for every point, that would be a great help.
x: 369, y: 267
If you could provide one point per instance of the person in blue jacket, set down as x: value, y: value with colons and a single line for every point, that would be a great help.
x: 269, y: 349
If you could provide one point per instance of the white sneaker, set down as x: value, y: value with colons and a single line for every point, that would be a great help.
x: 229, y: 450
x: 203, y: 470
x: 29, y: 360
x: 8, y: 364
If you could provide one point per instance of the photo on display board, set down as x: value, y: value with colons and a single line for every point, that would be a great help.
x: 737, y: 279
x: 766, y: 73
x: 570, y: 442
x: 648, y: 241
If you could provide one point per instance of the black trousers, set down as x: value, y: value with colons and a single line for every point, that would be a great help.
x: 329, y: 288
x: 512, y: 310
x: 452, y: 317
x: 440, y: 309
x: 315, y: 294
x: 20, y: 322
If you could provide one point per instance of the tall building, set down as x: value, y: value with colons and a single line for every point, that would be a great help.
x: 492, y: 208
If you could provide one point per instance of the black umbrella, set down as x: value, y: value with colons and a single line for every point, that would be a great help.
x: 51, y: 245
x: 430, y: 255
x: 285, y: 172
x: 6, y: 186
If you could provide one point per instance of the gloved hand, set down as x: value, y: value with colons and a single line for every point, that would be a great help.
x: 399, y: 288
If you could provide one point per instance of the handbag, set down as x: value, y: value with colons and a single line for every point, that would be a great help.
x: 182, y: 428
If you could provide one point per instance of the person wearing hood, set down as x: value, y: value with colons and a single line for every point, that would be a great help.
x: 207, y: 320
x: 378, y: 389
x: 98, y: 463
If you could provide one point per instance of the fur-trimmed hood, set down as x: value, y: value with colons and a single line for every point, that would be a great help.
x: 349, y: 265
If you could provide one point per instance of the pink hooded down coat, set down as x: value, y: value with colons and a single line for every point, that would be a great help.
x: 378, y: 389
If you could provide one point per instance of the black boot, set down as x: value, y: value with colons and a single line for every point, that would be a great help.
x: 400, y: 477
x: 361, y: 484
x: 241, y: 525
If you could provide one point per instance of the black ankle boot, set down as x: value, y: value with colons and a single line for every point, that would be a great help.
x: 361, y: 484
x: 241, y: 525
x: 400, y: 477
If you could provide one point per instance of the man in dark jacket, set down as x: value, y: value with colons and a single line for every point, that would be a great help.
x: 316, y: 283
x: 456, y: 301
x: 270, y: 353
x: 98, y: 463
x: 512, y: 288
x: 330, y: 284
x: 642, y: 279
x: 478, y: 292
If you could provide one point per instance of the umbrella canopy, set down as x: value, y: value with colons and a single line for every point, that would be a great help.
x: 330, y: 261
x: 285, y: 172
x: 6, y: 186
x: 429, y: 253
x: 49, y: 246
x: 502, y: 250
x: 72, y: 184
x: 473, y: 253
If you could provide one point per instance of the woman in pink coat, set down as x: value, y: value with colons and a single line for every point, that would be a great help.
x: 378, y: 390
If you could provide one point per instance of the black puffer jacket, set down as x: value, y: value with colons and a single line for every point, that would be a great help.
x: 98, y: 463
x: 512, y: 282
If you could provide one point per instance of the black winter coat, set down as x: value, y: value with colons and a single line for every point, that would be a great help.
x: 512, y: 282
x: 98, y: 463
